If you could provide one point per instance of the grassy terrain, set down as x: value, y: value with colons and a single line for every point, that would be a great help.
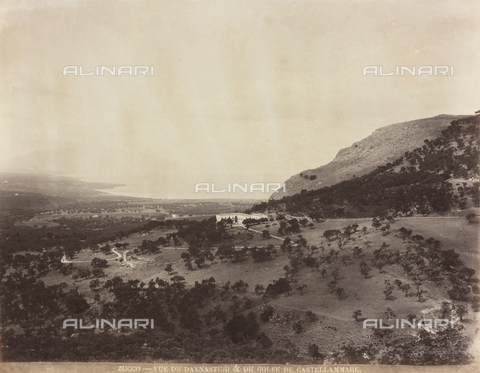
x: 335, y: 325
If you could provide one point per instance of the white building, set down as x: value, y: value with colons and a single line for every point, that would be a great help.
x: 238, y: 217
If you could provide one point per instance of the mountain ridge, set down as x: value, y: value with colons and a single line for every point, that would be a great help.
x: 384, y: 145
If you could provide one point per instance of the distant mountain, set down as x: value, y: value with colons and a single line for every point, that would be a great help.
x: 52, y: 185
x: 382, y: 146
x: 22, y: 195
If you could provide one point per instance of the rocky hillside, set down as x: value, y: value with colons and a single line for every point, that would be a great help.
x: 437, y: 177
x: 382, y: 146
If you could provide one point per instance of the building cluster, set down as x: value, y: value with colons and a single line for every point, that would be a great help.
x: 238, y: 217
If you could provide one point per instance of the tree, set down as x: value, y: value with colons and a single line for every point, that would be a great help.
x: 71, y: 250
x: 298, y: 326
x: 248, y: 303
x: 262, y: 254
x: 98, y: 272
x: 467, y: 273
x: 240, y: 285
x: 461, y: 311
x: 405, y: 233
x: 390, y: 314
x: 398, y: 283
x: 266, y: 314
x: 106, y: 249
x: 357, y: 251
x: 450, y: 259
x: 364, y: 269
x: 95, y: 284
x: 340, y: 293
x: 476, y: 303
x: 302, y: 242
x: 388, y: 290
x: 225, y: 251
x: 331, y: 234
x: 446, y: 310
x: 283, y: 228
x: 266, y: 234
x: 240, y: 255
x: 459, y: 293
x: 240, y: 327
x: 311, y: 316
x: 314, y: 352
x: 263, y: 340
x: 280, y: 286
x: 405, y: 288
x: 99, y: 263
x: 407, y: 268
x: 356, y: 315
x: 470, y: 218
x: 294, y: 225
x: 382, y: 333
x: 353, y: 355
x: 185, y: 256
x: 76, y: 302
x: 301, y: 288
x: 331, y: 286
x: 169, y: 268
x: 311, y: 262
x: 84, y: 273
x: 419, y: 291
x: 177, y: 279
x: 259, y: 290
x: 376, y: 223
x: 335, y: 274
x: 286, y: 245
x: 200, y: 261
x: 323, y: 272
x: 209, y: 256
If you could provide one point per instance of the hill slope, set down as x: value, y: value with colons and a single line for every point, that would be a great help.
x: 382, y: 146
x: 439, y: 176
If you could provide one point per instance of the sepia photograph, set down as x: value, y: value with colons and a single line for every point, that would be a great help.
x: 239, y: 186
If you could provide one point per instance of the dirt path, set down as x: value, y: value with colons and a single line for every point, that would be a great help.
x: 278, y: 238
x: 66, y: 261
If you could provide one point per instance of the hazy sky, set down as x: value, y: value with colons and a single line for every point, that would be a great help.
x: 243, y: 91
